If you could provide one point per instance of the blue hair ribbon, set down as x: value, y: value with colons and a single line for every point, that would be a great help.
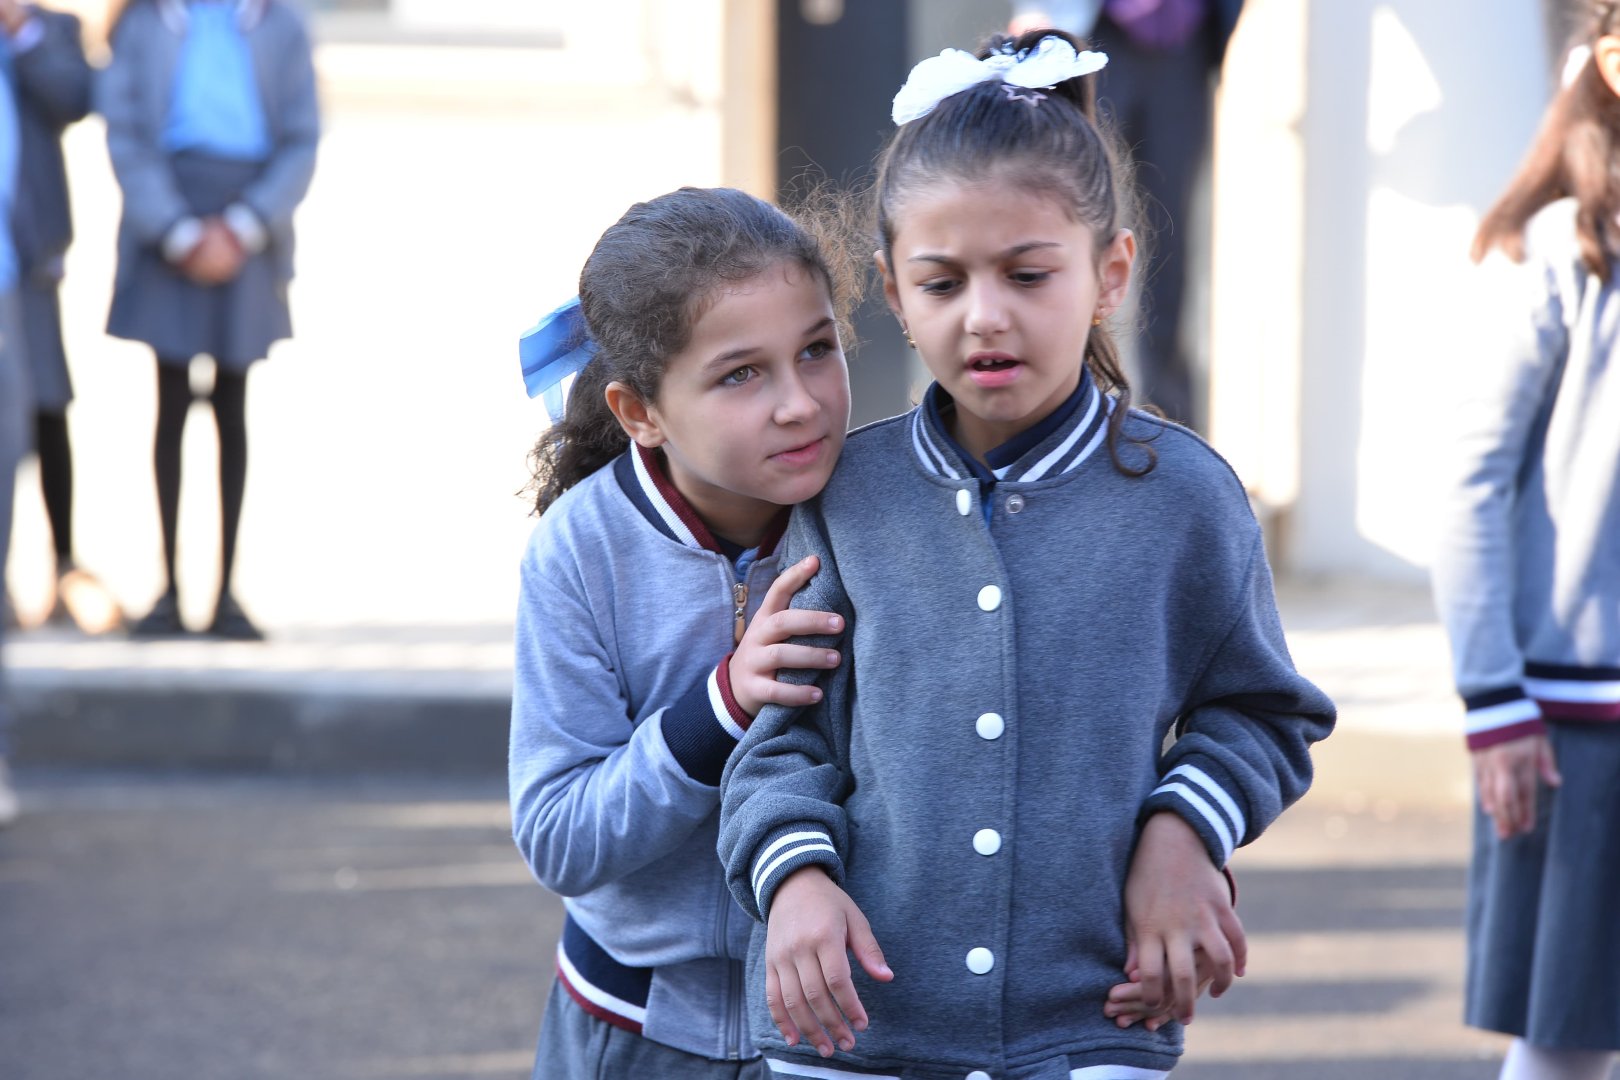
x: 558, y: 346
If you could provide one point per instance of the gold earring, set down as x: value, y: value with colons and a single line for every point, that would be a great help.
x: 909, y: 340
x: 1096, y: 320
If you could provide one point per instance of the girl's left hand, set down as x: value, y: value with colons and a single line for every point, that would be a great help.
x: 1178, y: 904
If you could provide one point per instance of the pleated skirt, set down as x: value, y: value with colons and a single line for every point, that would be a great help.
x: 1544, y: 908
x: 235, y: 323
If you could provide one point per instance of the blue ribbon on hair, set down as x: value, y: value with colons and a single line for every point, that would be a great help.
x: 558, y: 346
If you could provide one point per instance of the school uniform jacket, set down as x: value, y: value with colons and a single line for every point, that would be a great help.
x: 1528, y: 575
x: 978, y: 769
x: 53, y: 82
x: 622, y: 720
x: 134, y: 93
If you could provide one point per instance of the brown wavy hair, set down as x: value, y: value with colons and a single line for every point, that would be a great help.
x: 1062, y: 149
x: 1575, y: 154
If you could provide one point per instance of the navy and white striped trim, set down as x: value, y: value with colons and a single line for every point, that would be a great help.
x: 1218, y: 809
x: 785, y: 853
x: 612, y: 992
x: 1498, y: 716
x: 677, y: 524
x: 721, y: 705
x: 821, y: 1072
x: 1064, y: 451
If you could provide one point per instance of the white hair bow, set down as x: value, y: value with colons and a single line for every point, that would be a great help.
x: 952, y: 71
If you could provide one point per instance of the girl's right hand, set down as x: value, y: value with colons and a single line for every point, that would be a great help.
x: 1506, y: 775
x: 764, y: 651
x: 812, y: 928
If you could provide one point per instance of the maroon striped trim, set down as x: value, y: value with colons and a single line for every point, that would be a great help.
x: 1492, y: 737
x: 677, y: 502
x: 722, y: 679
x: 591, y: 1007
x: 1585, y: 712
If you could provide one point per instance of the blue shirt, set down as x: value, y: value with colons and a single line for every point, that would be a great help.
x: 215, y: 107
x: 9, y: 154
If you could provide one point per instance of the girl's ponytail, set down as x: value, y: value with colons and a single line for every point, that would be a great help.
x: 586, y: 438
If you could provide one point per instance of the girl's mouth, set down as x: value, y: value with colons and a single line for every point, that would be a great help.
x: 802, y: 455
x: 990, y: 370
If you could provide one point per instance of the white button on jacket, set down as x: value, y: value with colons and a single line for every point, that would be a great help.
x: 990, y: 725
x: 980, y: 961
x: 987, y: 841
x: 989, y: 598
x: 964, y: 502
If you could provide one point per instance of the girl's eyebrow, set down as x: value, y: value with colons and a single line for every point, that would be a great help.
x: 746, y: 351
x: 1011, y: 253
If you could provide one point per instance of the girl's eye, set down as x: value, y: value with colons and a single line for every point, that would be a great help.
x: 817, y: 349
x: 1030, y: 277
x: 738, y: 377
x: 937, y: 288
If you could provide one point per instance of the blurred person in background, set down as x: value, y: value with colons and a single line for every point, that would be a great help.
x: 1158, y: 90
x: 50, y: 82
x: 1528, y: 584
x: 15, y: 395
x: 212, y: 124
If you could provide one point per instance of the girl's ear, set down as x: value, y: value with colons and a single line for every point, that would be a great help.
x: 1114, y: 272
x: 638, y: 421
x: 891, y: 290
x: 1606, y: 51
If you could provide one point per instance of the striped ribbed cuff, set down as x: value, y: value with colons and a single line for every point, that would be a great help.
x: 1191, y: 792
x: 699, y: 730
x: 789, y: 849
x: 1499, y: 716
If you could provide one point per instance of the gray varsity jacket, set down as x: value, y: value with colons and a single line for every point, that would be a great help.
x: 978, y: 768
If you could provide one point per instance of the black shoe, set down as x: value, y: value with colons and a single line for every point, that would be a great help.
x: 162, y: 621
x: 231, y: 622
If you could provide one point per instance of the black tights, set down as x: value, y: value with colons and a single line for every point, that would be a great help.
x: 56, y: 479
x: 228, y: 398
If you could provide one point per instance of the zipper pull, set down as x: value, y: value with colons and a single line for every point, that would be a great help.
x: 739, y: 596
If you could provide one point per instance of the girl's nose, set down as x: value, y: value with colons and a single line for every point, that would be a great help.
x: 796, y: 403
x: 986, y: 314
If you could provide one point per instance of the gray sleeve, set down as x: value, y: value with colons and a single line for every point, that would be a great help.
x: 1517, y: 342
x: 1242, y: 753
x: 594, y: 795
x: 54, y: 77
x: 152, y: 202
x: 781, y: 798
x: 278, y: 190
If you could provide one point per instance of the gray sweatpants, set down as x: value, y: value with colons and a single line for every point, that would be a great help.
x: 16, y: 419
x: 574, y: 1045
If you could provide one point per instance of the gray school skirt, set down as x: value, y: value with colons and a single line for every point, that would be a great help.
x: 235, y: 323
x: 575, y: 1045
x: 1544, y: 908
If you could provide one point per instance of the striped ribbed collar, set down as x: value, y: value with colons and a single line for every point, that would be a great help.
x: 642, y: 478
x: 249, y: 13
x: 1074, y: 439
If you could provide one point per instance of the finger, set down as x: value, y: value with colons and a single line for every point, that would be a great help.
x: 1527, y: 777
x: 1216, y: 969
x: 796, y: 999
x: 779, y: 1014
x: 771, y: 692
x: 1182, y: 970
x: 1507, y: 804
x: 1548, y: 761
x: 1236, y: 939
x: 866, y: 949
x: 1130, y: 959
x: 1150, y: 956
x: 799, y: 656
x: 788, y: 582
x: 819, y: 1009
x: 848, y: 1016
x: 801, y: 622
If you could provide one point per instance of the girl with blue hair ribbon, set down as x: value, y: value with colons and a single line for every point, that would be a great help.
x: 709, y: 395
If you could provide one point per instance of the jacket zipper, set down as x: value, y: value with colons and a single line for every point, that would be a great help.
x: 739, y: 597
